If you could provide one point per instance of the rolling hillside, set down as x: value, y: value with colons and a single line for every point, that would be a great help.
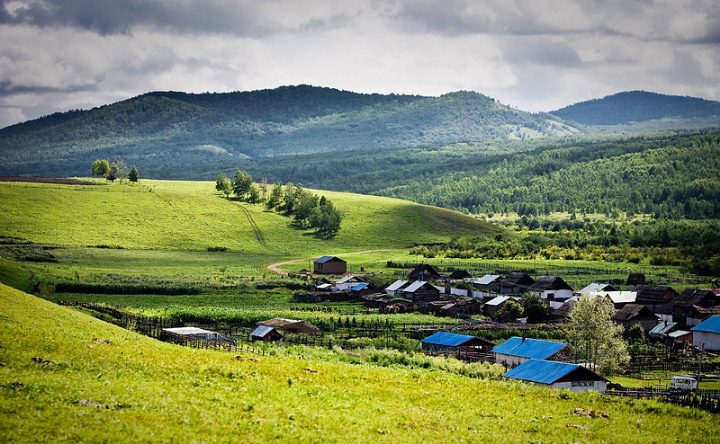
x: 69, y: 377
x: 169, y: 129
x: 642, y: 110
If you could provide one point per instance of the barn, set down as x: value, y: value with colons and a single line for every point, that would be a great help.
x: 443, y: 342
x: 516, y: 350
x: 329, y: 265
x: 632, y: 314
x: 421, y: 291
x: 265, y: 334
x: 561, y: 375
x: 290, y: 325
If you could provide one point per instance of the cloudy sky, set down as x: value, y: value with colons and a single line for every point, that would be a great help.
x: 537, y: 55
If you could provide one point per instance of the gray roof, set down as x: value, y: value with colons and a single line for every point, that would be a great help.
x: 415, y: 286
x: 497, y: 300
x: 487, y: 279
x: 396, y: 285
x: 262, y: 331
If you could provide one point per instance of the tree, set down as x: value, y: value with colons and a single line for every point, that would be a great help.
x: 114, y: 172
x: 535, y: 310
x: 133, y: 176
x: 593, y: 338
x: 276, y: 196
x: 220, y: 181
x: 253, y: 194
x: 226, y: 187
x: 242, y: 183
x: 100, y: 168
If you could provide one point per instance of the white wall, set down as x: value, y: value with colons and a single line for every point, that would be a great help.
x: 711, y: 340
x: 582, y: 386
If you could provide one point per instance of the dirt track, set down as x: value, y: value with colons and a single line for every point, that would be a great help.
x: 276, y: 267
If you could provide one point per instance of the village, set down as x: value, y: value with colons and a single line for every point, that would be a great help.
x: 686, y: 323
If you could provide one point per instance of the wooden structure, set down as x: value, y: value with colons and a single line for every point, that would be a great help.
x: 632, y: 314
x: 561, y: 375
x: 290, y: 326
x: 516, y: 350
x: 421, y: 291
x: 552, y: 289
x: 691, y: 306
x: 516, y: 282
x: 265, y: 334
x: 424, y: 272
x: 194, y: 334
x: 452, y: 343
x: 329, y: 265
x: 707, y: 334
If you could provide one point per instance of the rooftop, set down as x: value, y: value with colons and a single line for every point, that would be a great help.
x: 528, y: 348
x: 449, y: 339
x: 549, y: 372
x: 709, y: 325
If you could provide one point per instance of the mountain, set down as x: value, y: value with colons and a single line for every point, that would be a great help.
x: 634, y: 107
x: 163, y: 129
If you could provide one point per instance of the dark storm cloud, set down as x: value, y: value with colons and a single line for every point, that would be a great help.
x: 108, y: 17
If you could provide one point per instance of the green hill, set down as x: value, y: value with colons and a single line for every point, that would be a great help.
x: 641, y: 106
x: 166, y: 129
x: 65, y: 376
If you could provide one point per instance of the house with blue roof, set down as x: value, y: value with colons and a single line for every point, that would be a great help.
x: 329, y: 265
x: 348, y: 282
x: 444, y: 342
x: 707, y: 333
x: 516, y: 350
x: 562, y: 375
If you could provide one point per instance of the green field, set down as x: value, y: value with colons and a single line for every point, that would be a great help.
x: 67, y: 377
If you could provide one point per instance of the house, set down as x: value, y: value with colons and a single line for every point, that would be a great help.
x: 651, y: 295
x: 593, y: 288
x: 553, y: 289
x: 516, y: 350
x: 421, y: 291
x: 443, y: 342
x: 516, y: 282
x: 632, y: 314
x: 487, y: 283
x: 265, y: 334
x: 619, y: 298
x: 290, y: 325
x: 329, y: 265
x: 424, y: 272
x: 661, y: 330
x: 348, y: 282
x: 459, y: 275
x: 707, y: 334
x: 688, y: 307
x: 493, y: 306
x: 635, y: 279
x: 395, y: 289
x: 563, y: 312
x: 194, y: 334
x: 561, y: 375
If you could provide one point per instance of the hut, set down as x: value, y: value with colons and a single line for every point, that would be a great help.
x: 265, y: 334
x: 487, y: 283
x: 688, y: 307
x: 421, y: 291
x: 561, y: 375
x: 459, y: 275
x: 635, y: 279
x: 348, y: 282
x: 552, y: 289
x: 516, y: 282
x: 707, y: 334
x: 290, y: 325
x: 593, y: 288
x: 395, y: 289
x: 517, y: 350
x: 424, y: 272
x: 194, y: 334
x: 632, y: 314
x: 329, y: 265
x: 443, y: 342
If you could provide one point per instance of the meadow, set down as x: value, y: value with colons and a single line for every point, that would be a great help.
x: 69, y: 377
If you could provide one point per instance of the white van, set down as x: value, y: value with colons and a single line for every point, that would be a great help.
x: 683, y: 383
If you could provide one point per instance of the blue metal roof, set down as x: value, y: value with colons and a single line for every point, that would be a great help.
x: 324, y: 259
x: 449, y: 339
x: 359, y: 286
x: 262, y: 331
x: 546, y: 372
x: 710, y: 325
x: 529, y: 348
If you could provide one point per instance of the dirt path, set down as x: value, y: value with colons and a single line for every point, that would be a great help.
x: 276, y: 267
x: 256, y: 230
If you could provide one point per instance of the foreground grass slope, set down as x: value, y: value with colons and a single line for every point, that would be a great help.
x: 66, y: 376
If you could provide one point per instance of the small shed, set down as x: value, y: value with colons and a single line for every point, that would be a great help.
x: 443, y: 342
x: 563, y: 313
x: 421, y: 291
x: 494, y: 305
x: 290, y: 325
x: 329, y: 265
x: 597, y: 287
x: 516, y: 350
x: 194, y: 334
x: 348, y: 282
x: 424, y: 272
x: 561, y: 375
x: 707, y: 334
x: 459, y: 275
x: 487, y: 283
x: 661, y: 331
x: 395, y: 289
x: 636, y: 279
x: 265, y: 334
x: 654, y: 294
x: 516, y: 282
x: 553, y: 289
x: 632, y: 314
x: 688, y: 307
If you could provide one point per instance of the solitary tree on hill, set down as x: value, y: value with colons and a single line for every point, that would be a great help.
x: 242, y: 184
x: 133, y: 175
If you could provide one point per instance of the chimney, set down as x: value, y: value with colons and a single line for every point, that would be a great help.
x: 523, y: 337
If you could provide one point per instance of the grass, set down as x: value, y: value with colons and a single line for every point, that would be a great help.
x: 60, y: 382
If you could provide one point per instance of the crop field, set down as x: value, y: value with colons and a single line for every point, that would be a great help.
x: 71, y: 377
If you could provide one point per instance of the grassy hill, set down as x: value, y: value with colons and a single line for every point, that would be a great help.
x: 66, y: 376
x: 170, y: 129
x: 168, y: 232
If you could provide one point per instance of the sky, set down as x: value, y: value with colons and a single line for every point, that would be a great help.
x: 536, y: 55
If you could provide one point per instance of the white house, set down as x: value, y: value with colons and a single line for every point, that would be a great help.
x: 395, y: 288
x: 561, y: 375
x: 707, y: 333
x: 553, y: 289
x: 347, y: 282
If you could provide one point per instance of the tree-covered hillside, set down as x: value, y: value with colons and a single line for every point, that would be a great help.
x: 638, y: 106
x: 165, y: 129
x: 667, y: 175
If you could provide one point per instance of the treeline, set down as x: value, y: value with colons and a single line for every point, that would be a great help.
x: 308, y: 210
x: 692, y: 244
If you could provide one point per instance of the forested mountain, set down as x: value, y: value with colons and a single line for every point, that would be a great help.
x: 165, y: 129
x: 641, y: 106
x: 667, y: 175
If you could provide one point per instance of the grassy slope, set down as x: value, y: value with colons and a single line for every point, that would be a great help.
x: 160, y: 392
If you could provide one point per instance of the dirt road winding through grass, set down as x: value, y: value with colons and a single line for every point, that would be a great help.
x: 276, y: 267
